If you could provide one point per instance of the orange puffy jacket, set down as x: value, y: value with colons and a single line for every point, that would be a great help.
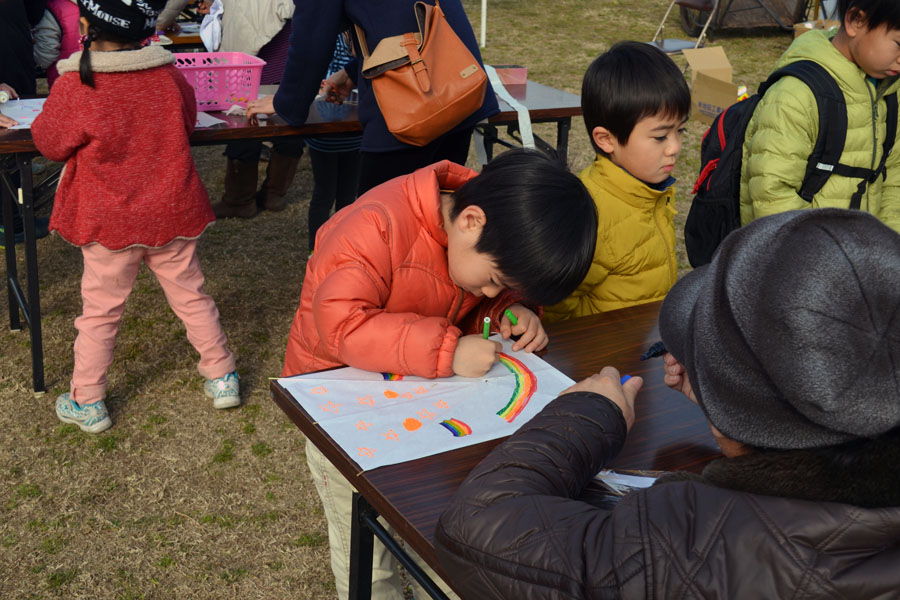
x: 377, y: 294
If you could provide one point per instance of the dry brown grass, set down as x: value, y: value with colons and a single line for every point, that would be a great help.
x: 178, y: 500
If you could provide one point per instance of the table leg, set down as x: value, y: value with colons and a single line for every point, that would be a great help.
x: 9, y: 247
x: 489, y: 132
x: 32, y: 308
x: 562, y: 139
x: 365, y: 527
x: 362, y: 542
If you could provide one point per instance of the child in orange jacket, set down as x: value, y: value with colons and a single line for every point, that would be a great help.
x: 402, y: 279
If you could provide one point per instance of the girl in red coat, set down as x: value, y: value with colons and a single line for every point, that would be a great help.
x: 119, y: 116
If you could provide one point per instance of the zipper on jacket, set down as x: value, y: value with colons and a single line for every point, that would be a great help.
x: 455, y: 310
x: 872, y: 164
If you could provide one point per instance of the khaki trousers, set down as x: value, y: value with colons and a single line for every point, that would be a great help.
x: 336, y: 494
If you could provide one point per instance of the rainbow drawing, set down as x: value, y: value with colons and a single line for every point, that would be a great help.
x: 457, y: 427
x: 391, y: 377
x: 526, y: 384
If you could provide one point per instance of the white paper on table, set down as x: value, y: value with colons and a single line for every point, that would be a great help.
x: 379, y: 421
x: 23, y: 111
x: 622, y: 483
x: 207, y: 120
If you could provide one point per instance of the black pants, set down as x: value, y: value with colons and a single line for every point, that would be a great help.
x: 377, y: 167
x: 249, y: 150
x: 335, y: 175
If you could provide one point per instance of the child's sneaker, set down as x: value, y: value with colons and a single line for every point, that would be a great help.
x: 224, y: 391
x: 92, y: 418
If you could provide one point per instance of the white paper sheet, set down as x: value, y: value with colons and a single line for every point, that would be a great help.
x: 23, y: 111
x: 207, y: 120
x: 381, y: 422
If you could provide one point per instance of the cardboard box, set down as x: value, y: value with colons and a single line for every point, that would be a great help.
x: 712, y: 90
x: 827, y: 25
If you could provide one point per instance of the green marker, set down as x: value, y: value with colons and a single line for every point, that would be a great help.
x: 487, y: 327
x: 512, y: 318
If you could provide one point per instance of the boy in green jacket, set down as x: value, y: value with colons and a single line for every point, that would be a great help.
x: 864, y: 59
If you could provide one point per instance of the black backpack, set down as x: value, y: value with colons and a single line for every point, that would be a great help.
x: 715, y: 210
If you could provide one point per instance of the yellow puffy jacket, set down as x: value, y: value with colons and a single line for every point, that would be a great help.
x: 634, y: 260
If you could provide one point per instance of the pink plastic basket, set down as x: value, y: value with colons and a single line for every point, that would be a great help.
x: 221, y: 79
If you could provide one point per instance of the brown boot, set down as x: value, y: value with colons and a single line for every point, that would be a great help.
x: 279, y: 177
x: 240, y: 188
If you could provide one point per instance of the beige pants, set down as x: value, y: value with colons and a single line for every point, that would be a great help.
x: 336, y: 494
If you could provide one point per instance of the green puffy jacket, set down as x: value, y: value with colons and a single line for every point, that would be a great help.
x: 781, y: 135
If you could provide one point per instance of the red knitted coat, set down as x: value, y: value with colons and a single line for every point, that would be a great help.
x: 129, y: 178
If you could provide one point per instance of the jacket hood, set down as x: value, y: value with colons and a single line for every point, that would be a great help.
x: 120, y: 62
x: 421, y: 185
x: 816, y: 45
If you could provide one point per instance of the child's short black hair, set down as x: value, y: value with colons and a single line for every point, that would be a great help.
x: 541, y: 224
x: 628, y: 82
x: 876, y: 12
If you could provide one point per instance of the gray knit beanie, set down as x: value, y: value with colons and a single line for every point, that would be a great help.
x: 791, y: 335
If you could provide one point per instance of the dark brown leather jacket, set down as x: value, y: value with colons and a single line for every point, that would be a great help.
x: 517, y: 530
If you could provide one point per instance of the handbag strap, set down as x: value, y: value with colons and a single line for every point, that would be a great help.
x: 411, y: 44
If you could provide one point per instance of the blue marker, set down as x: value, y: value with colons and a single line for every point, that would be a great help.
x: 624, y: 379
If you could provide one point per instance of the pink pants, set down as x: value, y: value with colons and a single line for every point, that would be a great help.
x: 105, y: 285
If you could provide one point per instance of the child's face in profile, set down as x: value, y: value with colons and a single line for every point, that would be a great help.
x: 875, y: 51
x: 651, y: 150
x: 473, y: 271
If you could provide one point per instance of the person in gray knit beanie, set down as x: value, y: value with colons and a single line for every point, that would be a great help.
x: 790, y: 338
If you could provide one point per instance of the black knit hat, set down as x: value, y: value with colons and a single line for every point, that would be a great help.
x: 131, y: 19
x: 791, y: 335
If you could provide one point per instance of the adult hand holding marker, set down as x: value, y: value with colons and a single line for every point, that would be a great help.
x: 621, y: 390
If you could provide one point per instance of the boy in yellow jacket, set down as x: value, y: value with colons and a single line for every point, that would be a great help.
x: 635, y: 103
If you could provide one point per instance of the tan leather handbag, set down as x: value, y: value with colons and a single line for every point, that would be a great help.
x: 426, y: 82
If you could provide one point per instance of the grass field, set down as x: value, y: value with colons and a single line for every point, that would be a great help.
x: 178, y: 500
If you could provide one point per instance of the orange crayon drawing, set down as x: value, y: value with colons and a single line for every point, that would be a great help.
x: 363, y: 426
x: 407, y: 395
x: 390, y: 435
x: 366, y: 400
x: 330, y: 407
x: 411, y: 424
x: 441, y: 404
x: 368, y: 452
x: 319, y: 390
x: 419, y: 390
x: 390, y: 394
x: 425, y: 414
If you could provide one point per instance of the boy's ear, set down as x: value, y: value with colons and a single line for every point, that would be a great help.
x: 471, y: 219
x: 604, y: 139
x: 855, y: 21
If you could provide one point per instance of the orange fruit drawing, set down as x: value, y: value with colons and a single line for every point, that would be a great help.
x: 390, y: 394
x: 411, y: 424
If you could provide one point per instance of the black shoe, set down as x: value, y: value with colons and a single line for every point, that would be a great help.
x: 41, y: 229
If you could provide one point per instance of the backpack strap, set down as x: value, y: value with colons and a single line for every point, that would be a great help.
x: 869, y: 175
x: 832, y: 123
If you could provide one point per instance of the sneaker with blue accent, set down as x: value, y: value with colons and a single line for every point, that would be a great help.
x: 92, y: 418
x: 224, y: 391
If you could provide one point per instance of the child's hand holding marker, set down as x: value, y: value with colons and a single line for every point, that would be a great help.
x: 520, y: 321
x: 476, y: 354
